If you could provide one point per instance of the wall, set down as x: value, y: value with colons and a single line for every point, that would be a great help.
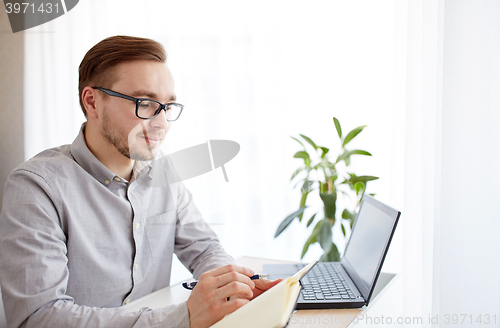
x: 11, y: 105
x: 11, y: 98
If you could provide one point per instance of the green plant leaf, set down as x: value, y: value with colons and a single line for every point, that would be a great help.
x: 343, y: 229
x: 311, y: 220
x: 306, y: 186
x: 347, y: 154
x: 303, y: 203
x: 360, y: 152
x: 359, y: 187
x: 332, y: 256
x: 286, y: 222
x: 325, y: 151
x: 329, y: 201
x: 352, y: 134
x: 313, y: 238
x: 304, y: 155
x: 358, y: 183
x: 362, y: 178
x: 348, y: 215
x: 337, y: 126
x: 325, y: 235
x: 300, y: 142
x: 309, y: 141
x: 323, y: 187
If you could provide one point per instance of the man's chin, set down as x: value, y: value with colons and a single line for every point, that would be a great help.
x: 144, y: 154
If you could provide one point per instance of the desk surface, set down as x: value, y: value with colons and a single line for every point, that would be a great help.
x: 331, y: 318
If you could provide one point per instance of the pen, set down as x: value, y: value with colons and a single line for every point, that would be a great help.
x: 190, y: 285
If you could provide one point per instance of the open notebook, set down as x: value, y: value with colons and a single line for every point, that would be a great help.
x: 272, y: 309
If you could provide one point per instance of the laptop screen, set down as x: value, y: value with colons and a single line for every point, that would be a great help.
x: 368, y: 244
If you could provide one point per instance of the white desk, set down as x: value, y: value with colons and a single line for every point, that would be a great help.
x: 386, y: 301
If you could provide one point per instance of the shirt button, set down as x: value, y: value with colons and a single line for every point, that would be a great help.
x: 127, y: 301
x: 137, y: 225
x: 117, y: 179
x: 106, y: 181
x: 136, y: 266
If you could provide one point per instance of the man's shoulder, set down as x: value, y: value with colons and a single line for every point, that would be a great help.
x: 46, y: 163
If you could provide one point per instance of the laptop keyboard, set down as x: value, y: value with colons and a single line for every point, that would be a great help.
x: 325, y: 282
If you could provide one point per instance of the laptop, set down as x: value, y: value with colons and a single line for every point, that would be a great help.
x: 350, y: 282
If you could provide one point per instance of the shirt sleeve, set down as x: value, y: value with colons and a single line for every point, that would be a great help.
x: 34, y: 272
x: 196, y: 244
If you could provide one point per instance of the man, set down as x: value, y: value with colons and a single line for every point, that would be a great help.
x: 86, y: 227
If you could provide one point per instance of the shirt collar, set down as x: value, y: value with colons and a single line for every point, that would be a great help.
x: 141, y: 167
x: 84, y: 157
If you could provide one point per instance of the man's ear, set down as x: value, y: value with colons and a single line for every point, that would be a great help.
x: 89, y: 100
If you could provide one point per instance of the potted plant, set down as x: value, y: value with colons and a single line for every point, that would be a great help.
x: 329, y: 179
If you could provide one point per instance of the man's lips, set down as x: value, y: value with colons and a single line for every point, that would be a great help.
x: 152, y: 141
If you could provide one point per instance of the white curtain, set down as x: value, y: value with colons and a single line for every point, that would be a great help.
x: 451, y: 78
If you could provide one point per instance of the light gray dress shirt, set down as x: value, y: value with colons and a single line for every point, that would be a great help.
x: 77, y: 241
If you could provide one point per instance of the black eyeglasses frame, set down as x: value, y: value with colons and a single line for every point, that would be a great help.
x: 139, y: 100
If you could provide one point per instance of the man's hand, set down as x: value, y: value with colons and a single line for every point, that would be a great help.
x: 209, y: 302
x: 261, y: 285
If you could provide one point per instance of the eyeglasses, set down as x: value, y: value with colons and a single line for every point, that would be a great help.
x: 147, y: 108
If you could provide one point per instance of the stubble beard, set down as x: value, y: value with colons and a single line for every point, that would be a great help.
x: 120, y: 140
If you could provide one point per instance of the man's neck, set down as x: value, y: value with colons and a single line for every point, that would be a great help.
x: 107, y: 154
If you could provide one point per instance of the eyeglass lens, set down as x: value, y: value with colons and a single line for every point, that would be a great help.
x: 148, y: 109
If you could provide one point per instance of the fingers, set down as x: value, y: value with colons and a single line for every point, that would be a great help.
x: 235, y: 288
x: 265, y: 284
x: 226, y: 278
x: 262, y: 285
x: 226, y: 281
x: 230, y: 268
x: 234, y: 304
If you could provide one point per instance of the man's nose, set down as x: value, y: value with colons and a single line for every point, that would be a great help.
x: 160, y: 121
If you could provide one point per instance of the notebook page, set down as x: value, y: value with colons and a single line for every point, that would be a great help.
x: 272, y: 309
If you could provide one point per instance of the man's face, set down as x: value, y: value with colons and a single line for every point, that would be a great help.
x: 133, y: 137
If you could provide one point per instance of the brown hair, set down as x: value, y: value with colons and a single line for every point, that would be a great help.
x: 96, y: 68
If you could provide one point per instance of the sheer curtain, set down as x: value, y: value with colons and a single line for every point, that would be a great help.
x: 451, y: 75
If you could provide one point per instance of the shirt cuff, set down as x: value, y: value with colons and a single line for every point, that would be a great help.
x: 183, y: 313
x: 175, y: 316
